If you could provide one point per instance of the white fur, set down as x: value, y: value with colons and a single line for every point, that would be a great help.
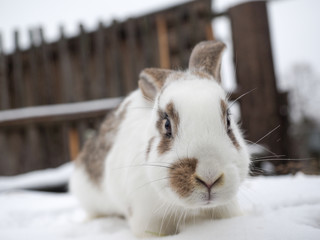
x: 129, y: 184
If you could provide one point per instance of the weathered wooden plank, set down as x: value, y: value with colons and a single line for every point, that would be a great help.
x: 17, y: 75
x: 132, y: 53
x: 254, y: 70
x: 47, y: 81
x: 56, y: 154
x: 146, y: 46
x: 100, y: 86
x: 4, y: 159
x: 57, y: 112
x: 194, y: 27
x: 139, y: 58
x: 4, y: 90
x: 74, y: 144
x: 14, y: 144
x: 115, y: 68
x: 164, y: 51
x: 203, y: 9
x: 33, y: 149
x: 181, y: 26
x: 84, y: 55
x: 65, y: 68
x: 86, y: 82
x: 154, y: 45
x: 65, y: 127
x: 34, y: 69
x: 125, y: 61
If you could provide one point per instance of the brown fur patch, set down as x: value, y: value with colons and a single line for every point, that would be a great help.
x: 224, y: 110
x: 152, y: 80
x: 233, y: 139
x: 201, y: 74
x: 156, y: 75
x: 166, y: 142
x: 182, y: 176
x: 96, y: 148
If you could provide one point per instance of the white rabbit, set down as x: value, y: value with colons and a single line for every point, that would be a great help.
x: 171, y: 152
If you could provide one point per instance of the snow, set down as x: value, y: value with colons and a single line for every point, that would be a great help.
x: 59, y: 109
x: 283, y: 207
x: 37, y: 179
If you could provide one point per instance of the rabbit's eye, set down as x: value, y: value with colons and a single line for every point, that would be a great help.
x: 167, y: 126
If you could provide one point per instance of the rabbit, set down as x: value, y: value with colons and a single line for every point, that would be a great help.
x: 170, y: 153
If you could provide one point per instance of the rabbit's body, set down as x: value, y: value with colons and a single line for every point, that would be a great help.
x: 168, y: 154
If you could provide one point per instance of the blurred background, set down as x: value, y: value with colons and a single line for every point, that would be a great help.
x: 65, y: 64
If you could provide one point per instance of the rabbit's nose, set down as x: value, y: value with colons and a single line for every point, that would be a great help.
x: 210, y: 184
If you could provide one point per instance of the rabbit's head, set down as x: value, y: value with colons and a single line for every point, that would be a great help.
x: 199, y: 155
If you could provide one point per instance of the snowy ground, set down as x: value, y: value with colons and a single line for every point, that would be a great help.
x: 284, y: 207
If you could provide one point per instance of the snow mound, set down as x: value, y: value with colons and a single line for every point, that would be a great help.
x: 286, y: 207
x: 37, y: 179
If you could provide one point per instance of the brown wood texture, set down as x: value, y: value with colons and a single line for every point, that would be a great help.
x: 254, y: 70
x: 67, y: 87
x: 4, y: 90
x: 58, y: 112
x: 17, y: 84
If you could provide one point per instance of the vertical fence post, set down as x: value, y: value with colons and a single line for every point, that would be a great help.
x: 84, y: 61
x: 33, y: 68
x: 4, y: 104
x: 17, y: 74
x: 48, y: 80
x: 132, y: 52
x: 254, y: 70
x: 65, y: 69
x: 115, y: 77
x: 100, y: 87
x: 164, y: 51
x: 4, y: 91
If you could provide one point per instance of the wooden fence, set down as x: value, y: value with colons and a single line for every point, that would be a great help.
x: 73, y: 72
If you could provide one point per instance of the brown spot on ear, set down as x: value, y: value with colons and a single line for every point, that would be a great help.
x: 149, y: 147
x: 182, y: 176
x: 201, y: 74
x: 96, y: 149
x: 166, y: 142
x: 206, y: 56
x: 152, y: 80
x: 148, y: 90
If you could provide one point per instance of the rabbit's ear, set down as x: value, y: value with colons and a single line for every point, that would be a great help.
x: 152, y: 80
x: 206, y: 56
